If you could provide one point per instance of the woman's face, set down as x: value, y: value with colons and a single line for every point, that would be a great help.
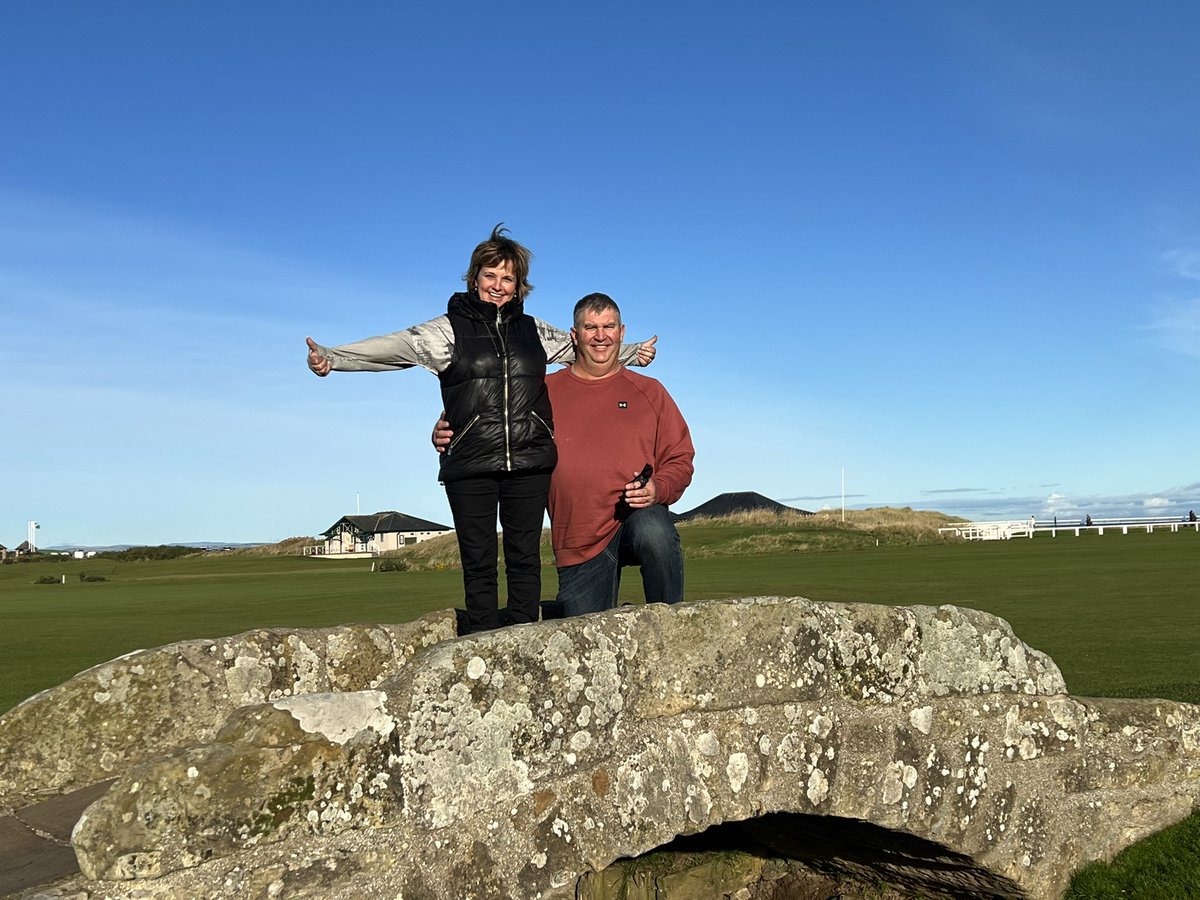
x: 496, y: 284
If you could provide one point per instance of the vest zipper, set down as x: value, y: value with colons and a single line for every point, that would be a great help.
x: 504, y: 364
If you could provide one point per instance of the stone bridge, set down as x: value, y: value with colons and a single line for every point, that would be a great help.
x: 511, y: 764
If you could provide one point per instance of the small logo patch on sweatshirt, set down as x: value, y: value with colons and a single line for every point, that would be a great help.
x: 621, y: 404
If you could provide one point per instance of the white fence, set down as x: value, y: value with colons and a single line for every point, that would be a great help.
x: 992, y: 531
x: 1011, y: 528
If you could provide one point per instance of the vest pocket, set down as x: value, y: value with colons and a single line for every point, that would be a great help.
x: 542, y: 422
x: 462, y: 434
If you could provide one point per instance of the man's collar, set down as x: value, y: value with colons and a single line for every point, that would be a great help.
x: 583, y: 376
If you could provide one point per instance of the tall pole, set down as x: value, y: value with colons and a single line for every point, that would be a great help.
x: 32, y: 541
x: 843, y: 493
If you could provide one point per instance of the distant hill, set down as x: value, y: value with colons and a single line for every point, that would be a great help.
x: 116, y: 548
x: 738, y: 501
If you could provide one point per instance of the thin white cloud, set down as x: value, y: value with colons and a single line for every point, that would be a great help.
x: 101, y: 297
x: 51, y: 251
x: 1056, y: 502
x: 1175, y: 321
x: 1176, y: 326
x: 818, y: 497
x: 1063, y: 507
x: 1184, y: 262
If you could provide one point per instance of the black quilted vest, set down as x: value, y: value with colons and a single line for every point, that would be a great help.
x: 494, y: 391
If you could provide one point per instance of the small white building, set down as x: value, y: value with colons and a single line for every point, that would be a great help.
x: 375, y: 534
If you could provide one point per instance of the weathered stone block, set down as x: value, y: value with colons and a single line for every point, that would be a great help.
x: 146, y: 703
x: 308, y: 764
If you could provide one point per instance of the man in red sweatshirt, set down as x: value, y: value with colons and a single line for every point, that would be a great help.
x: 609, y: 424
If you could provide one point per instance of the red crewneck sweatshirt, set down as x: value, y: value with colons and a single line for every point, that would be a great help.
x: 606, y: 431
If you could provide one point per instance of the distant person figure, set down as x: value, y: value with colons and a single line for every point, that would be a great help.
x: 1087, y: 520
x: 1191, y: 515
x: 491, y: 359
x: 610, y: 424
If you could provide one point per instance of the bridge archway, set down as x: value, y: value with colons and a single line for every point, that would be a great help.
x: 797, y: 856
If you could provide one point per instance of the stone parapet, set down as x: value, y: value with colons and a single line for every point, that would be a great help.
x: 147, y: 703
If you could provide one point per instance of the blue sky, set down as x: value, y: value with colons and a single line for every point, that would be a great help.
x: 953, y: 248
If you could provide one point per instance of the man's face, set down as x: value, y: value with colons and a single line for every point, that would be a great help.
x: 598, y: 340
x: 497, y: 284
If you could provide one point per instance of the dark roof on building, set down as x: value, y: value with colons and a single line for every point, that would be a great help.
x: 387, y: 522
x: 738, y: 501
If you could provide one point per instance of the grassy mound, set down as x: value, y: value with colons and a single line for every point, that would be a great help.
x: 763, y: 532
x: 293, y: 546
x: 747, y: 534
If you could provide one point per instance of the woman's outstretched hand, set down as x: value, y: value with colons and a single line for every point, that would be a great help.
x: 646, y: 352
x: 318, y: 363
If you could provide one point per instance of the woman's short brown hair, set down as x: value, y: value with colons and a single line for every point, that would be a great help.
x: 500, y: 249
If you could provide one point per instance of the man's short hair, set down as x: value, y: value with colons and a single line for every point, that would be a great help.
x: 495, y: 251
x: 595, y: 303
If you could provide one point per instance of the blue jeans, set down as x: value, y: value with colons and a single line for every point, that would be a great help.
x: 647, y: 538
